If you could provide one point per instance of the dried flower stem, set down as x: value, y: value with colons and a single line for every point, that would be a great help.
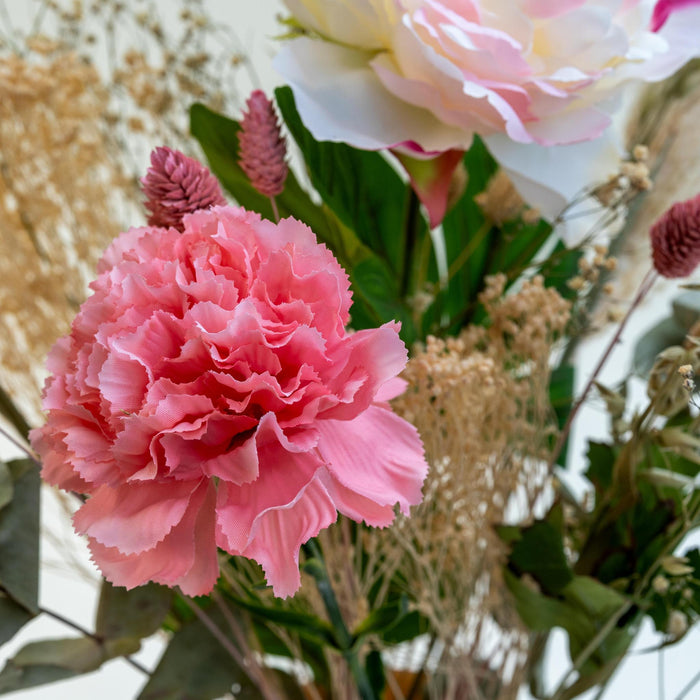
x: 20, y: 446
x: 644, y: 287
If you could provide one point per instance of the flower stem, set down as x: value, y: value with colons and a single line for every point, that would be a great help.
x: 275, y: 211
x: 411, y: 224
x: 343, y: 637
x: 644, y: 287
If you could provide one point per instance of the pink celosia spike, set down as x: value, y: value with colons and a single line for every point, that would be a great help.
x: 176, y: 185
x: 262, y: 147
x: 675, y: 239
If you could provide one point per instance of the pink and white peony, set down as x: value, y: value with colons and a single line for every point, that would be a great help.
x: 423, y: 76
x: 209, y: 394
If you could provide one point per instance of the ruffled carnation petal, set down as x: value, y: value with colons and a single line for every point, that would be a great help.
x: 391, y: 474
x: 280, y: 532
x: 186, y: 557
x: 134, y: 518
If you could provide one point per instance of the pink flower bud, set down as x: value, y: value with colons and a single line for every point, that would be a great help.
x: 675, y: 239
x: 262, y: 148
x: 176, y: 185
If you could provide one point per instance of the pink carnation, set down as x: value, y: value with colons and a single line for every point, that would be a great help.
x: 208, y: 394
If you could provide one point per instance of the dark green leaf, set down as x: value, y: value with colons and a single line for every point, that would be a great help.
x: 407, y: 628
x: 601, y: 460
x: 375, y: 672
x: 218, y: 137
x: 561, y: 395
x: 304, y: 624
x: 131, y: 614
x: 540, y: 553
x: 12, y: 618
x: 470, y: 240
x: 6, y: 485
x: 382, y: 618
x: 194, y: 666
x: 560, y: 267
x: 19, y: 537
x: 361, y: 187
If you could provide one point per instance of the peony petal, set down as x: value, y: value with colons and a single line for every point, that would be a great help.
x: 363, y: 113
x: 377, y: 455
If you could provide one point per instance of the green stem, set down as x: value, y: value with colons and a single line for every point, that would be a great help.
x: 342, y: 635
x: 411, y: 223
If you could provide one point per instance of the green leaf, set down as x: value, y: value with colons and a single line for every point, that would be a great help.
x: 601, y: 461
x: 131, y: 614
x: 560, y: 267
x: 468, y: 236
x: 218, y: 137
x: 375, y: 672
x: 595, y: 599
x: 406, y: 628
x: 540, y: 553
x: 48, y: 661
x: 561, y: 394
x: 382, y: 618
x: 582, y: 611
x: 304, y: 624
x: 361, y: 187
x: 195, y: 666
x: 19, y: 537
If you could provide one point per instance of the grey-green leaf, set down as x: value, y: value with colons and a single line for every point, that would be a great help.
x: 194, y: 667
x: 133, y: 614
x: 6, y: 485
x: 39, y: 663
x: 19, y: 537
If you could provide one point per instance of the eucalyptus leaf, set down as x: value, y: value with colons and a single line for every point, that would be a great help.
x: 135, y: 614
x: 6, y: 485
x: 40, y: 663
x: 195, y: 666
x: 19, y: 537
x: 12, y: 618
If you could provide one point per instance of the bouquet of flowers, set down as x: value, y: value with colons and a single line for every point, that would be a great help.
x: 315, y: 426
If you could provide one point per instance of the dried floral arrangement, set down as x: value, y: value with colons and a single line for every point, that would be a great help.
x: 319, y: 438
